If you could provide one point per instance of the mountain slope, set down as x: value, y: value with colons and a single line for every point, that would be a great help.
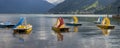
x: 93, y: 6
x: 111, y: 9
x: 24, y: 6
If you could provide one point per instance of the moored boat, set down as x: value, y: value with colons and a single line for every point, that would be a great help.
x: 60, y: 26
x: 6, y: 25
x: 75, y: 23
x: 23, y: 27
x: 105, y: 24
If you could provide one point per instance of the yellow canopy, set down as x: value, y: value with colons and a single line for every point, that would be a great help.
x: 75, y: 19
x: 106, y: 21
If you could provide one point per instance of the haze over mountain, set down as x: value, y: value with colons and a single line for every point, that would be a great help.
x: 24, y: 6
x: 93, y: 6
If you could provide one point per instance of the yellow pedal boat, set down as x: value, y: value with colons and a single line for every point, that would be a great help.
x: 23, y: 27
x: 60, y: 26
x: 105, y: 24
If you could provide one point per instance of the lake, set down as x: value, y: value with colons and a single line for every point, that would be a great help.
x: 42, y: 36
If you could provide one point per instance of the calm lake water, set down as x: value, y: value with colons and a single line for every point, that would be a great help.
x: 87, y: 36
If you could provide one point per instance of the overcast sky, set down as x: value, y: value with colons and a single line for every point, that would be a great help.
x: 55, y: 1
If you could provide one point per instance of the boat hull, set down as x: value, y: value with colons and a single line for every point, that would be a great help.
x: 105, y: 27
x: 60, y: 29
x: 73, y: 24
x: 23, y: 31
x: 7, y: 26
x: 116, y: 16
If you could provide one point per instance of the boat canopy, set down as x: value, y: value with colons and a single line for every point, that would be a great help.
x: 100, y: 19
x: 60, y: 23
x: 75, y: 19
x: 106, y: 21
x: 20, y: 21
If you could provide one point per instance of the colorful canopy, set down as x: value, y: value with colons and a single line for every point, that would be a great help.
x: 60, y: 23
x: 106, y: 21
x: 75, y: 19
x: 20, y: 21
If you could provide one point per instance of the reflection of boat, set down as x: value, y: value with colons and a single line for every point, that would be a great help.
x: 6, y: 25
x: 105, y: 24
x: 22, y: 26
x: 98, y: 21
x: 106, y: 32
x: 20, y: 36
x: 59, y: 36
x: 60, y: 26
x: 75, y: 23
x: 75, y: 28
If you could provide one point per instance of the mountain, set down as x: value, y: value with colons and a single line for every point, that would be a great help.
x: 83, y: 6
x: 24, y: 6
x: 111, y: 9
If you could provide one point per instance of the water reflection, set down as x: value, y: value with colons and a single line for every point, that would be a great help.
x: 87, y: 36
x: 59, y: 35
x: 21, y: 36
x: 106, y: 32
x: 75, y: 28
x: 107, y: 44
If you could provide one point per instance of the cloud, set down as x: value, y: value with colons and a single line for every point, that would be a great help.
x: 55, y: 1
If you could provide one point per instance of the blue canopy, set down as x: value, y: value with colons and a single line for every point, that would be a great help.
x: 20, y: 22
x: 101, y: 18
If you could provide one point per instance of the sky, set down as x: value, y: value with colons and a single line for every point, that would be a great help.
x: 54, y: 1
